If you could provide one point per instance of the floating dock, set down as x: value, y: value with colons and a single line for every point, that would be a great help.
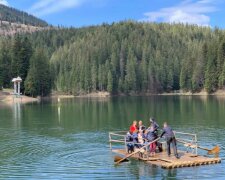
x: 162, y: 160
x: 189, y: 157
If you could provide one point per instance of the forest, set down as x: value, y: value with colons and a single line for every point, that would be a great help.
x: 122, y: 58
x: 15, y: 16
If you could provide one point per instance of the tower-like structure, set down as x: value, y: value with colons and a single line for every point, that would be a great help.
x: 17, y: 82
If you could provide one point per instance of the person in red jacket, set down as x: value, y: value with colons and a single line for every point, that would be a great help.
x: 133, y: 127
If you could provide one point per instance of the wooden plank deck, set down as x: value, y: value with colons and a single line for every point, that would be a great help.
x: 162, y: 160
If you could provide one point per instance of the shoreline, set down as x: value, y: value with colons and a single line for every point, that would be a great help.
x: 98, y: 94
x: 7, y: 98
x: 105, y: 94
x: 201, y: 93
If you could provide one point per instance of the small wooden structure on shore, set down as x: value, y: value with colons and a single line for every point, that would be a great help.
x: 188, y: 157
x: 16, y: 93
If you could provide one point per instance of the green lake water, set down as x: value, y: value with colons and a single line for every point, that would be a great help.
x: 69, y: 139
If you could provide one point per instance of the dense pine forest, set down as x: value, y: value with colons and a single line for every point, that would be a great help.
x: 127, y: 57
x: 15, y: 16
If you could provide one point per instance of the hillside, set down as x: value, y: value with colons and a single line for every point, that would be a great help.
x: 121, y: 58
x: 13, y: 21
x: 7, y: 28
x: 140, y: 58
x: 12, y: 15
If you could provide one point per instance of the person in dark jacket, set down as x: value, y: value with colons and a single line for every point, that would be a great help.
x: 129, y: 142
x: 170, y: 139
x: 154, y: 124
x: 151, y: 136
x: 135, y: 136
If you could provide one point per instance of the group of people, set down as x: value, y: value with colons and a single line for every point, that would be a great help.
x: 139, y: 136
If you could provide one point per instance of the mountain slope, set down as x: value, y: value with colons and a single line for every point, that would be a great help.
x: 122, y: 58
x: 8, y: 29
x: 131, y: 57
x: 15, y: 16
x: 13, y: 21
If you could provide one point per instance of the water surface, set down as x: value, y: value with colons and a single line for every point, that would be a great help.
x: 69, y: 139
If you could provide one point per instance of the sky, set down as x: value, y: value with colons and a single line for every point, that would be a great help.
x: 79, y: 13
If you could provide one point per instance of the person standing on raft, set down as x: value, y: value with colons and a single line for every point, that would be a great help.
x: 155, y: 126
x: 141, y: 127
x: 133, y: 127
x: 170, y: 138
x: 151, y: 136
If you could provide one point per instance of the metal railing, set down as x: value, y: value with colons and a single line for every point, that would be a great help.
x: 189, y: 140
x: 119, y: 138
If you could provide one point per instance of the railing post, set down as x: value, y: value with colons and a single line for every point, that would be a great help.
x: 110, y: 145
x: 196, y: 143
x: 125, y: 143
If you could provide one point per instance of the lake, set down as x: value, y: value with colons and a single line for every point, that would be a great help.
x: 69, y: 139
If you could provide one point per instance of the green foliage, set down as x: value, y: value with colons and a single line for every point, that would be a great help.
x: 15, y: 16
x: 126, y: 57
x: 222, y: 77
x: 110, y: 82
x: 5, y: 69
x: 130, y: 78
x: 141, y: 57
x: 38, y: 81
x: 211, y: 74
x: 94, y: 77
x: 198, y: 69
x: 21, y: 54
x: 221, y: 63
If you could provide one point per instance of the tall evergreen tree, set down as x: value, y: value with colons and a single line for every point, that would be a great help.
x: 221, y: 63
x: 16, y: 56
x: 5, y: 62
x: 130, y: 77
x: 144, y: 70
x: 21, y: 54
x: 38, y: 82
x: 94, y: 75
x: 222, y: 78
x: 211, y: 77
x: 110, y: 82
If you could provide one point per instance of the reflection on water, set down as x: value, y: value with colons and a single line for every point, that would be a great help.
x: 16, y: 110
x: 68, y: 138
x: 59, y: 112
x: 59, y: 109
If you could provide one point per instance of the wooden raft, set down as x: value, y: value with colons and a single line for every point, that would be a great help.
x: 162, y: 160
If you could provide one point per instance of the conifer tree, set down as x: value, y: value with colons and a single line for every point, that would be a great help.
x: 110, y: 82
x: 38, y: 82
x: 211, y: 80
